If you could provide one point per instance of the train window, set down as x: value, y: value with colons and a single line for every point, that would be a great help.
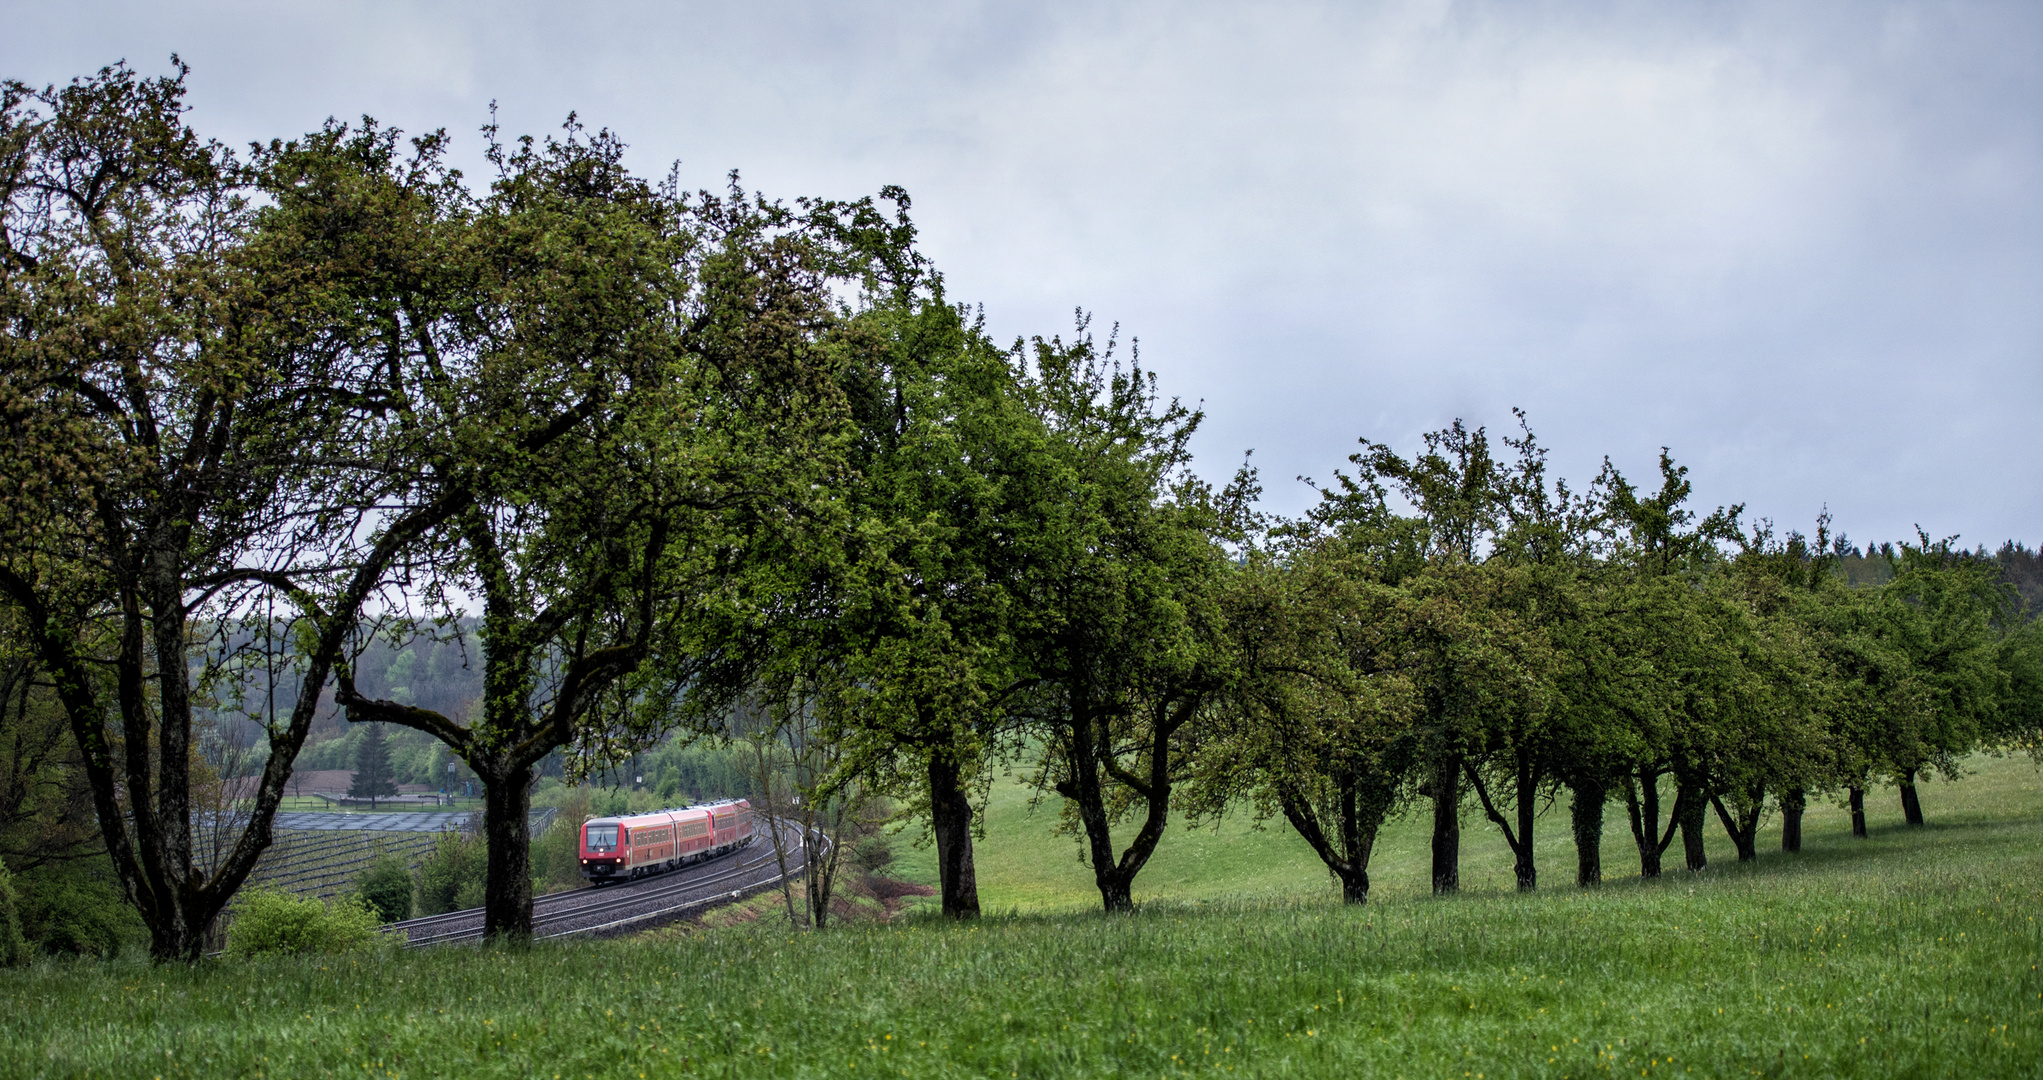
x: 602, y: 837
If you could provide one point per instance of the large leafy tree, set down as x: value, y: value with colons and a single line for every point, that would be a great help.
x: 2019, y: 724
x: 628, y: 394
x: 1872, y: 688
x: 1465, y: 647
x: 1667, y: 667
x: 1118, y: 605
x: 1769, y: 735
x: 1943, y: 613
x: 1532, y: 739
x: 1321, y: 725
x: 897, y: 630
x: 196, y: 513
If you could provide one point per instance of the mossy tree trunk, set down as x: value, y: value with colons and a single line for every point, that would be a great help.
x: 1794, y: 802
x: 1585, y: 814
x: 1446, y: 793
x: 1911, y: 805
x: 1743, y: 824
x: 507, y: 891
x: 950, y: 813
x: 1691, y: 806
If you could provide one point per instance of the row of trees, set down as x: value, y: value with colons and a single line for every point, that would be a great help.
x: 1511, y: 639
x: 738, y: 468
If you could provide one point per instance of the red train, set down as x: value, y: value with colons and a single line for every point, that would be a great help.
x: 622, y: 848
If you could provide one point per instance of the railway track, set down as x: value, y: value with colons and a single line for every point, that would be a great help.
x: 636, y: 904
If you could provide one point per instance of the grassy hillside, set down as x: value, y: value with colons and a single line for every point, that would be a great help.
x: 1914, y: 953
x: 1025, y: 868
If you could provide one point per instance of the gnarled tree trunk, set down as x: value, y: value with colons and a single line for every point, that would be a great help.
x: 507, y: 891
x: 1364, y: 800
x: 1911, y: 807
x: 1793, y: 802
x: 1642, y: 802
x: 1690, y: 806
x: 1743, y: 826
x: 1447, y: 825
x: 1525, y: 776
x: 950, y: 814
x: 1585, y: 815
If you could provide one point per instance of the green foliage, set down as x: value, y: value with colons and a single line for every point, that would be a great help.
x: 452, y: 877
x: 470, y: 895
x: 683, y: 770
x: 905, y: 652
x: 46, y: 813
x: 873, y: 853
x: 1321, y: 730
x: 13, y: 947
x: 695, y: 487
x: 622, y: 405
x: 268, y: 922
x: 387, y: 887
x: 75, y: 908
x: 1117, y: 611
x: 2019, y: 724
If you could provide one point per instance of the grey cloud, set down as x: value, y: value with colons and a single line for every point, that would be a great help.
x: 1799, y: 244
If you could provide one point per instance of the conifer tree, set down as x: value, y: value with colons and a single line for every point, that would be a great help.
x: 372, y: 767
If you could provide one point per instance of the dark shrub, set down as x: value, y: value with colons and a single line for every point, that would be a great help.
x: 387, y: 886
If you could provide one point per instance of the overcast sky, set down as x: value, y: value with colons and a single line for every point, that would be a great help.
x: 1800, y: 244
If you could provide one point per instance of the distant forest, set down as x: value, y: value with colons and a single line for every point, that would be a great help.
x: 444, y: 673
x: 2020, y: 566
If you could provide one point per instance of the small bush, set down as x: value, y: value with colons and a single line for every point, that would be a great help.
x: 271, y: 922
x: 469, y: 895
x: 556, y: 853
x: 387, y: 886
x: 451, y: 874
x: 872, y: 853
x: 13, y: 947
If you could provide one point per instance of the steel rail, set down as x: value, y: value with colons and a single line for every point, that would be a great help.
x: 570, y: 897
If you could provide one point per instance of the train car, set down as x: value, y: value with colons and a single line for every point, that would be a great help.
x: 622, y: 848
x: 733, y: 823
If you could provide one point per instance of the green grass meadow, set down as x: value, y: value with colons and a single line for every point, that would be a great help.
x: 1913, y: 953
x: 1025, y: 868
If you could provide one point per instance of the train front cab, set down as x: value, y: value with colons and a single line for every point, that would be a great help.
x: 604, y: 853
